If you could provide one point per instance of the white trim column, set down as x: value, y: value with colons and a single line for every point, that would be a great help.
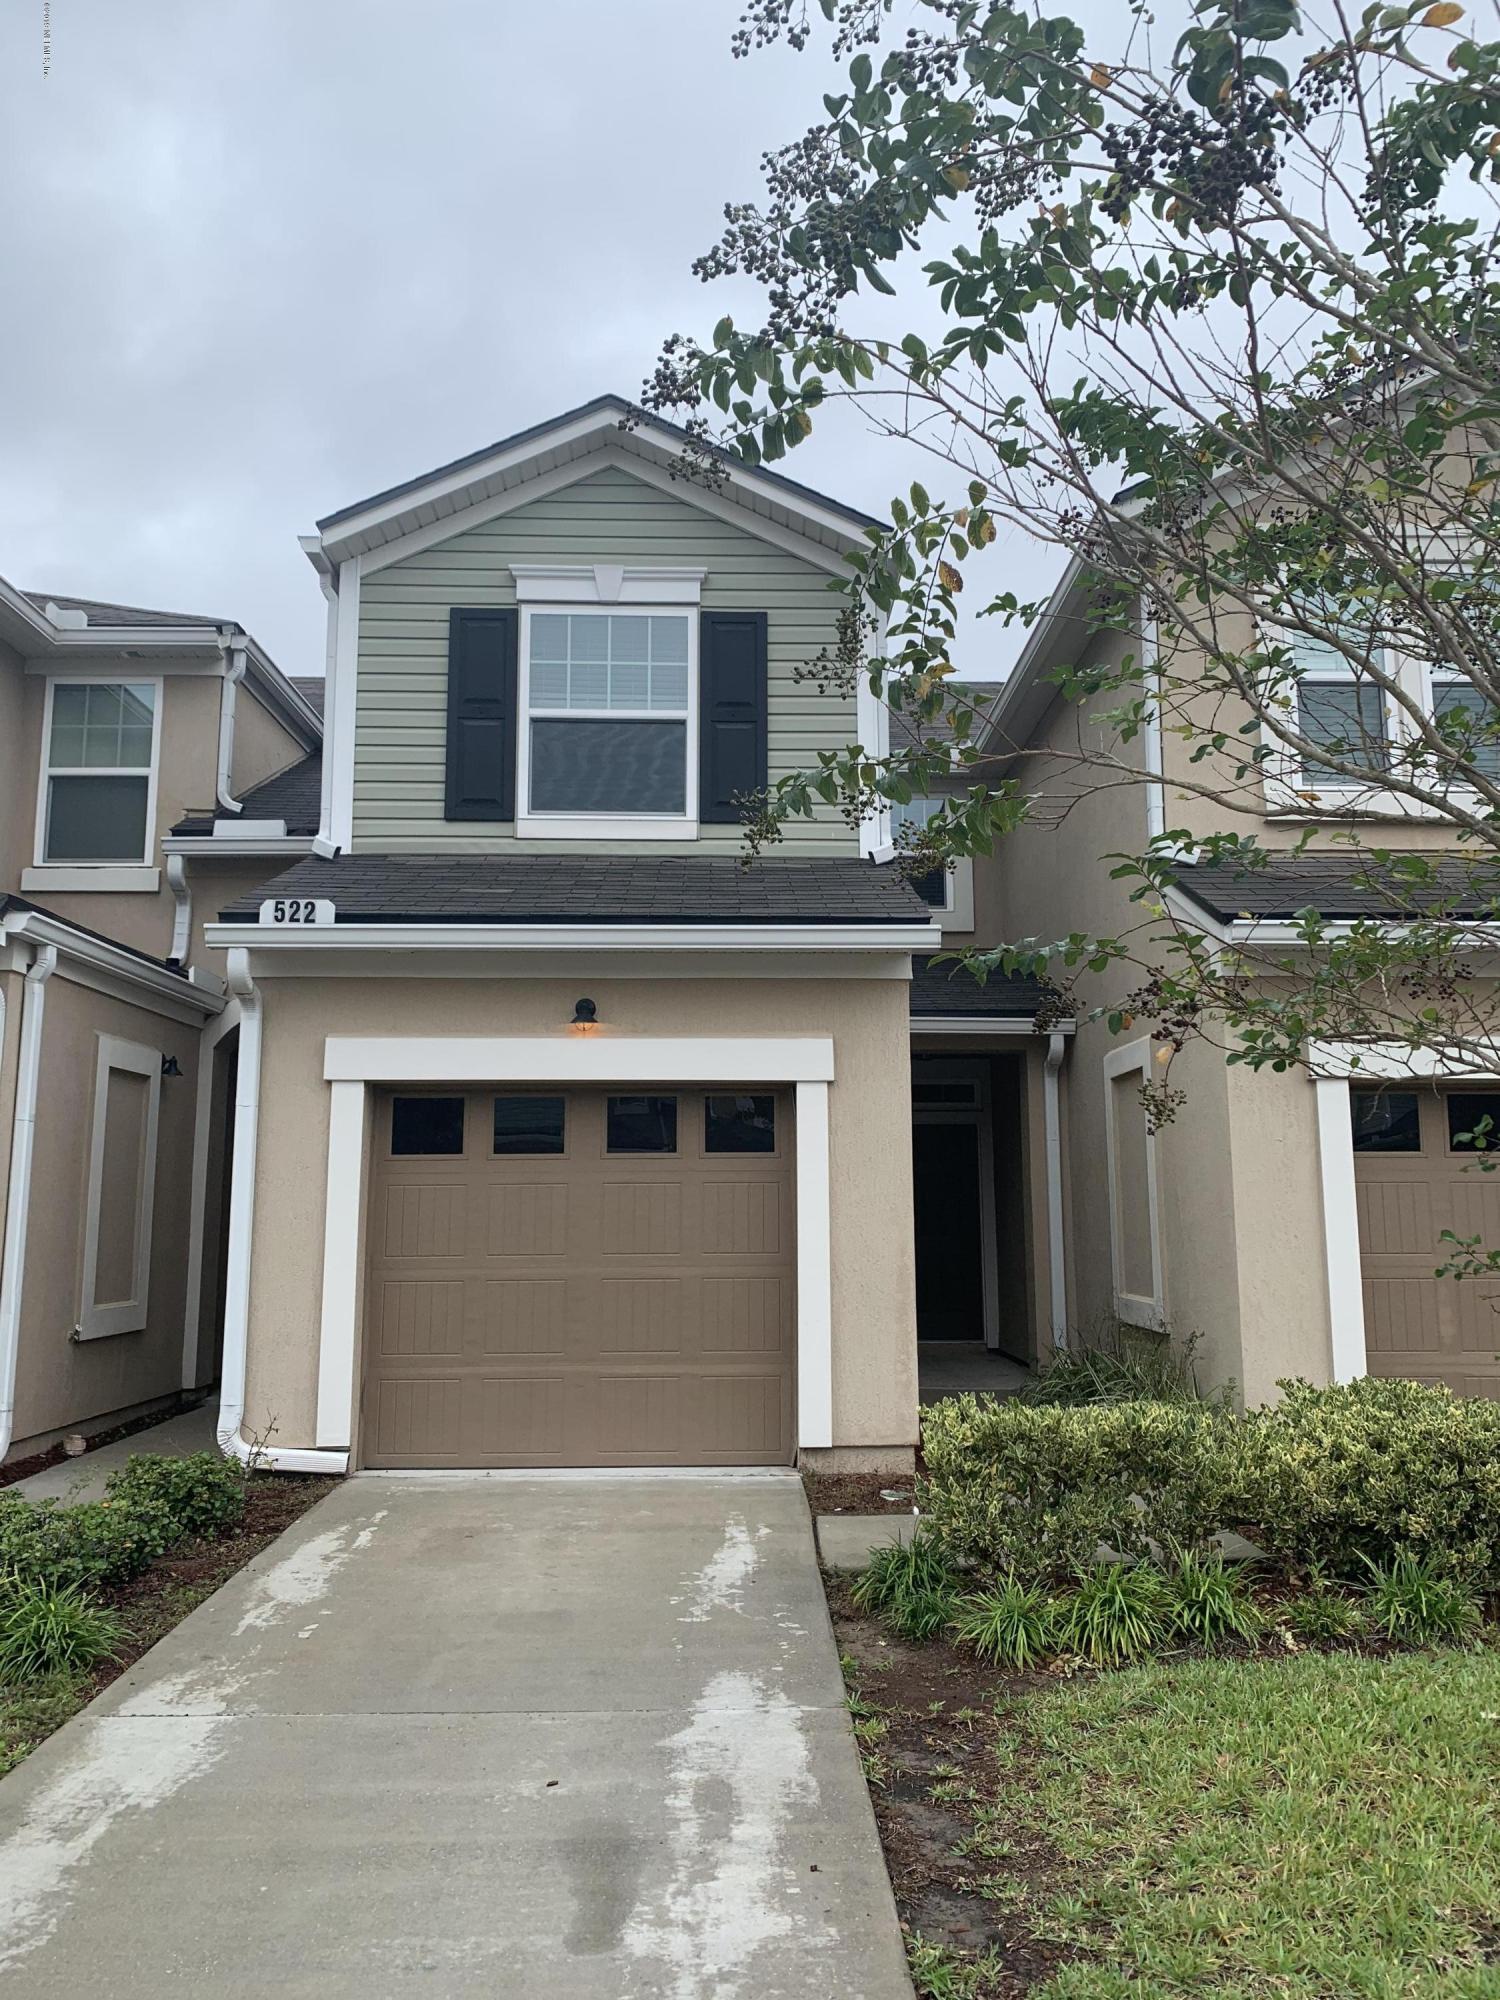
x: 338, y: 1338
x: 814, y: 1270
x: 1346, y: 1304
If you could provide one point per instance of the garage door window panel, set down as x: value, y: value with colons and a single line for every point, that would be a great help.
x: 1386, y: 1121
x: 529, y: 1127
x: 739, y: 1124
x: 427, y: 1127
x: 1473, y: 1121
x: 640, y: 1125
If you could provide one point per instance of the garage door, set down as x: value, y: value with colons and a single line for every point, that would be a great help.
x: 580, y: 1278
x: 1416, y: 1174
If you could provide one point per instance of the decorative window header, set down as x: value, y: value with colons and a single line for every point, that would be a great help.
x: 605, y: 583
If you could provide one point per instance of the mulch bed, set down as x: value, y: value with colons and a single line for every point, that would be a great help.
x: 858, y: 1492
x: 940, y: 1705
x: 161, y: 1597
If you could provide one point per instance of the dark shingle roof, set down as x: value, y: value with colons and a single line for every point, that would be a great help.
x: 1339, y: 887
x: 99, y: 611
x: 950, y: 989
x: 536, y: 432
x: 612, y: 888
x: 295, y: 795
x: 311, y: 688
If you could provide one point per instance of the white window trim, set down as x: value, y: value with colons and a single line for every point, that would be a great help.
x: 606, y: 826
x: 1291, y: 795
x: 95, y: 878
x: 96, y: 1321
x: 1133, y: 1059
x: 353, y: 1064
x: 97, y: 875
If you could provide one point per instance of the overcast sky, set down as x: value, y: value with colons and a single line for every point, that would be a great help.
x: 264, y: 257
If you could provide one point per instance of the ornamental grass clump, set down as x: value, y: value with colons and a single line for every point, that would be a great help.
x: 1011, y: 1625
x: 1118, y: 1612
x: 49, y: 1628
x: 913, y: 1585
x: 1209, y: 1601
x: 1416, y: 1602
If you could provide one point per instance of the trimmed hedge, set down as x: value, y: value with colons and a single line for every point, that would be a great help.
x: 1035, y: 1489
x: 1335, y: 1478
x: 150, y: 1506
x: 1375, y: 1470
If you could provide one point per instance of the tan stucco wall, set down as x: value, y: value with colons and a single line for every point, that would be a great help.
x: 874, y: 1339
x: 216, y: 882
x: 59, y: 1381
x: 1240, y: 1206
x: 262, y: 747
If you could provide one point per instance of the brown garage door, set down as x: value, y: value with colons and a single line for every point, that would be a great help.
x: 580, y: 1278
x: 1416, y: 1174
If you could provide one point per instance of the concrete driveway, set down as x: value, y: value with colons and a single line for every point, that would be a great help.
x: 562, y: 1737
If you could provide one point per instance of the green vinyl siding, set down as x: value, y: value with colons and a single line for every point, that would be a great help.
x: 607, y: 516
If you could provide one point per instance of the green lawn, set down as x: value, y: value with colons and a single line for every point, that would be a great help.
x: 1325, y: 1825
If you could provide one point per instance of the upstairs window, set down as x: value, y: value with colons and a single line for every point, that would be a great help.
x: 1473, y: 726
x: 100, y: 771
x: 608, y: 707
x: 934, y: 885
x: 1338, y: 711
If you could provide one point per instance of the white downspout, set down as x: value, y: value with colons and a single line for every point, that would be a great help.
x: 18, y: 1191
x: 1057, y: 1270
x: 237, y: 1254
x: 182, y: 910
x: 1156, y: 791
x: 234, y: 673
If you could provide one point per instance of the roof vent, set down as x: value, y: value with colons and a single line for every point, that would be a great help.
x: 69, y: 620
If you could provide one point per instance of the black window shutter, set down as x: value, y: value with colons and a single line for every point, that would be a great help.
x: 481, y: 765
x: 731, y: 713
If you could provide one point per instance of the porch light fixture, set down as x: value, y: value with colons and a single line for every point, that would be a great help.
x: 585, y: 1017
x: 170, y: 1066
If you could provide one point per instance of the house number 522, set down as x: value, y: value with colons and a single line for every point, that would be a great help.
x: 296, y: 910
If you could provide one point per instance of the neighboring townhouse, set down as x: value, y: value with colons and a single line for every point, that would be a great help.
x: 1291, y: 1221
x: 561, y: 1136
x: 114, y: 721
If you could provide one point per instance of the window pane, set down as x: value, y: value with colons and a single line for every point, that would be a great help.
x: 1472, y: 713
x: 1347, y: 716
x: 1473, y: 1121
x: 641, y: 1125
x: 669, y: 641
x: 528, y: 1125
x: 630, y: 639
x: 549, y: 636
x: 427, y: 1125
x: 932, y: 887
x: 739, y: 1125
x: 96, y: 819
x: 70, y: 704
x: 549, y: 684
x: 1385, y: 1121
x: 606, y: 767
x: 99, y: 726
x: 588, y: 684
x: 588, y: 639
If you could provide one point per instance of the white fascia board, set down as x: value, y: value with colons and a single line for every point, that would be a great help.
x: 115, y: 970
x: 285, y: 847
x: 763, y: 938
x: 366, y: 532
x: 1007, y: 716
x: 970, y: 1024
x: 140, y: 639
x: 1384, y: 1062
x: 275, y: 692
x: 598, y: 1057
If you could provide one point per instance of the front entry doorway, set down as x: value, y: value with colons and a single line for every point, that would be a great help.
x: 954, y: 1201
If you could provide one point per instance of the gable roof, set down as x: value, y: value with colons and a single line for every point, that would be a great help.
x: 609, y: 422
x: 118, y: 617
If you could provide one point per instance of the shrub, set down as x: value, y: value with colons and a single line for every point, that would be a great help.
x: 1011, y: 1625
x: 912, y: 1584
x: 1208, y: 1601
x: 90, y: 1544
x: 1118, y: 1612
x: 50, y: 1628
x: 1014, y: 1487
x: 1372, y: 1470
x: 1419, y: 1603
x: 203, y: 1494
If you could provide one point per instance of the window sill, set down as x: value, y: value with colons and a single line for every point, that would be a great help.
x: 96, y: 878
x: 612, y: 826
